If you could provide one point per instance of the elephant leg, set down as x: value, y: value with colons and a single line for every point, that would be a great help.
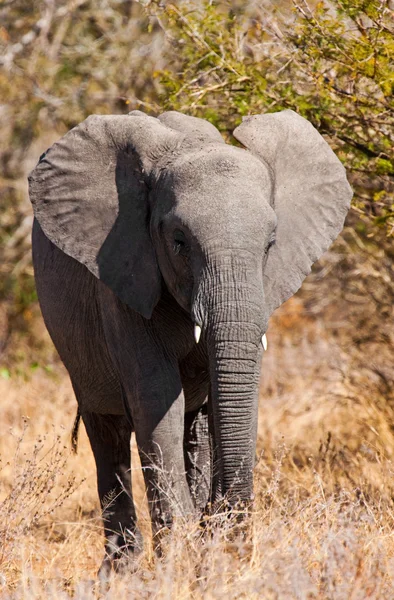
x: 109, y: 437
x: 198, y: 455
x: 153, y: 395
x: 160, y: 445
x: 157, y: 409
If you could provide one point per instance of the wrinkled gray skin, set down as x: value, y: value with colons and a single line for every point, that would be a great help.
x: 145, y: 227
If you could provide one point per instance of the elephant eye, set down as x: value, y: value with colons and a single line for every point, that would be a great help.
x: 179, y: 245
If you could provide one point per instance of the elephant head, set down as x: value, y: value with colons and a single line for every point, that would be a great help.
x: 231, y: 232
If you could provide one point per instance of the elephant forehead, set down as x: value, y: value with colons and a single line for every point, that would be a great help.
x: 219, y: 163
x: 226, y: 214
x: 223, y: 195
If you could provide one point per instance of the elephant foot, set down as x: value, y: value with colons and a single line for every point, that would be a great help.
x: 161, y: 528
x: 232, y: 518
x: 121, y: 555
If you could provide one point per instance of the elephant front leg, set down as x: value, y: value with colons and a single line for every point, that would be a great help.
x: 158, y: 417
x: 109, y: 437
x: 198, y: 455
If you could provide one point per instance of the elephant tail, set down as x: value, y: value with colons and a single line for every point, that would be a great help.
x: 74, y: 433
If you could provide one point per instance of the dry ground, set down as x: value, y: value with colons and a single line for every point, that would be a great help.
x: 324, y: 512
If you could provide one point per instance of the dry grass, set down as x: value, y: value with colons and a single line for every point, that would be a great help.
x: 323, y: 520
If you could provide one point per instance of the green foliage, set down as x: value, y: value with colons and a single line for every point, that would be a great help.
x: 5, y: 373
x: 332, y: 64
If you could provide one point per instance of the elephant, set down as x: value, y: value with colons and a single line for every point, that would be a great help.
x: 160, y: 252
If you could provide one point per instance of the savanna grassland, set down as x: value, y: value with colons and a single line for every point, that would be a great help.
x: 323, y: 521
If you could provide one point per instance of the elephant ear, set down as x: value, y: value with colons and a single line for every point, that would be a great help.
x: 90, y: 197
x: 311, y: 196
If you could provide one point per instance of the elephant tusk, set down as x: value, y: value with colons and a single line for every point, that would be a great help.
x: 264, y: 342
x: 197, y: 333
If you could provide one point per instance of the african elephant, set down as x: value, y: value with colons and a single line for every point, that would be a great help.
x: 160, y: 251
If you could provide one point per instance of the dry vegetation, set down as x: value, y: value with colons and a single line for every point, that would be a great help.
x: 323, y: 523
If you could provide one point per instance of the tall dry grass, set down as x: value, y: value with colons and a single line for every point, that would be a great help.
x: 323, y: 518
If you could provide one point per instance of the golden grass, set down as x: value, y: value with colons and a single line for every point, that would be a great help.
x: 323, y: 519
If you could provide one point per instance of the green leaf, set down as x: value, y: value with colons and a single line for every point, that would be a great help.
x: 5, y: 373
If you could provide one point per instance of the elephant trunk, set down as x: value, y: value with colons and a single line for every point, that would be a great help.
x: 234, y: 395
x: 234, y: 323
